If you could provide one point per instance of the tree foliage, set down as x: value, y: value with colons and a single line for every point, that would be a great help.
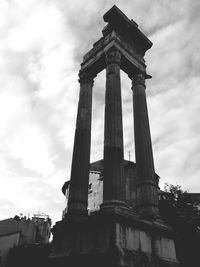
x: 180, y: 210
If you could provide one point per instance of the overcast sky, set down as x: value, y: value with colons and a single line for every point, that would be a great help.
x: 42, y: 43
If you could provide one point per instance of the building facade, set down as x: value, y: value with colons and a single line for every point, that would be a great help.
x: 19, y: 231
x: 95, y: 186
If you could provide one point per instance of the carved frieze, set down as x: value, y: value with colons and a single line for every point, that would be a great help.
x: 113, y: 56
x: 138, y: 79
x: 85, y: 77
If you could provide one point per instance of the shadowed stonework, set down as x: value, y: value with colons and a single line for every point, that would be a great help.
x: 118, y: 234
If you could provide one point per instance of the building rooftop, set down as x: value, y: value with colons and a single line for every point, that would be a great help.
x: 97, y: 166
x: 9, y: 226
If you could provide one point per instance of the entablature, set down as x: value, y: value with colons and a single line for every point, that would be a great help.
x: 124, y: 35
x: 132, y: 60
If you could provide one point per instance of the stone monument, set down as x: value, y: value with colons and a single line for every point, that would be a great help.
x: 116, y: 235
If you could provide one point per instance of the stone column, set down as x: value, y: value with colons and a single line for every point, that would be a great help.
x: 147, y: 195
x: 78, y: 192
x: 113, y: 183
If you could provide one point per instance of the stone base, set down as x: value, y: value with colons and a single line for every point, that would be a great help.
x: 112, y: 237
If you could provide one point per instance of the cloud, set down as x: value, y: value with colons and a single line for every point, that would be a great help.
x: 174, y: 97
x: 34, y: 102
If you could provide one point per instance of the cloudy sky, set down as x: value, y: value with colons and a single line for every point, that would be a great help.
x: 42, y: 43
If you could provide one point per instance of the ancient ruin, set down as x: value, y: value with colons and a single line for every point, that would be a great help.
x: 117, y: 234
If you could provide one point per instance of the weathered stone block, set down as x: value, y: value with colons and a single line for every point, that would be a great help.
x: 116, y: 236
x: 165, y: 248
x: 145, y: 242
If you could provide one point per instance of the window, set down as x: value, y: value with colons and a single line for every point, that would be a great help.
x: 90, y: 188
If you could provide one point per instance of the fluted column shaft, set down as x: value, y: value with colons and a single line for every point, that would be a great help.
x: 78, y: 192
x: 114, y: 184
x: 147, y: 195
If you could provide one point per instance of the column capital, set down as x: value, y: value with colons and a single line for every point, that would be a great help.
x: 138, y: 79
x: 113, y: 55
x: 85, y: 77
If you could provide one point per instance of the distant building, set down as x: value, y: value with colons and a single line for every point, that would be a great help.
x: 190, y: 198
x: 22, y: 231
x: 43, y: 227
x: 9, y: 237
x: 195, y: 197
x: 95, y: 187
